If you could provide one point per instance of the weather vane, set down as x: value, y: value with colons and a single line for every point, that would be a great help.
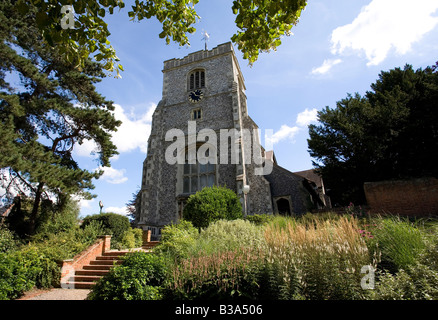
x: 205, y: 38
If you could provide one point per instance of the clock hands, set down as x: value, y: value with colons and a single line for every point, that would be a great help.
x: 196, y: 95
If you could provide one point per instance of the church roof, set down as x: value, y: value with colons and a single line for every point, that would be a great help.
x: 311, y: 175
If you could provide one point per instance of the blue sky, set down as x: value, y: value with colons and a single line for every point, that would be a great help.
x: 338, y: 47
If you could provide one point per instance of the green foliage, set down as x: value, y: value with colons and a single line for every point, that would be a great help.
x: 138, y: 278
x: 417, y: 282
x: 37, y: 264
x: 177, y: 239
x: 224, y: 235
x: 261, y: 24
x: 310, y: 257
x: 138, y: 237
x: 220, y: 275
x: 383, y: 135
x: 259, y: 219
x: 7, y: 240
x: 24, y: 269
x: 18, y: 219
x: 212, y: 204
x: 53, y: 108
x: 13, y: 277
x: 65, y: 245
x: 399, y: 242
x: 132, y: 238
x: 56, y: 218
x: 315, y: 259
x: 113, y: 224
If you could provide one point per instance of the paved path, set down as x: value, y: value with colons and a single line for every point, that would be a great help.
x: 58, y: 294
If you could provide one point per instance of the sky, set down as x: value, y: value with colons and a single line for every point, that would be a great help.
x: 338, y: 47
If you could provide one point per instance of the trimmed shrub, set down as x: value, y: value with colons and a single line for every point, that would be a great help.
x: 139, y: 277
x: 212, y: 204
x: 113, y: 224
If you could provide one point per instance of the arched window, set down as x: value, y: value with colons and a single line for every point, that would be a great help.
x: 197, y: 176
x: 197, y: 79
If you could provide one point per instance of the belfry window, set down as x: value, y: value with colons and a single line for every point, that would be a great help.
x: 197, y: 79
x: 196, y: 114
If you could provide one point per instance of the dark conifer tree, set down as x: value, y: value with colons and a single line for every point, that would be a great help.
x: 47, y: 107
x: 390, y: 133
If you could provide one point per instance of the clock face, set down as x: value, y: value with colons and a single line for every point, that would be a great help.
x: 196, y: 96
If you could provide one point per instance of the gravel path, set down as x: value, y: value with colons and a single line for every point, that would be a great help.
x: 58, y: 294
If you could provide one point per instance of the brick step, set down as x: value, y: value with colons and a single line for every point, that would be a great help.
x: 105, y: 262
x: 115, y: 253
x: 150, y: 245
x: 82, y: 285
x: 86, y: 278
x: 97, y: 267
x: 85, y: 272
x: 110, y: 258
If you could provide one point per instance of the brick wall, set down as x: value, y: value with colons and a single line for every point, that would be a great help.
x: 417, y: 197
x: 96, y: 249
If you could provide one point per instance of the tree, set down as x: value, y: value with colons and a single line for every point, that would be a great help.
x: 47, y: 107
x: 260, y: 23
x: 387, y: 134
x: 111, y: 223
x: 212, y: 204
x: 132, y: 207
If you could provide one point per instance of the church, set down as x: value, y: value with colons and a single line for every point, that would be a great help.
x: 197, y: 141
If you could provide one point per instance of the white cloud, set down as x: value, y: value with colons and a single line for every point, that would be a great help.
x: 384, y: 25
x: 284, y: 133
x: 85, y: 203
x: 288, y: 133
x: 122, y: 211
x: 133, y: 133
x: 86, y: 149
x: 307, y: 117
x: 326, y: 66
x: 113, y: 176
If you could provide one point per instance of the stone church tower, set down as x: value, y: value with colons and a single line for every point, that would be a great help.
x: 202, y: 91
